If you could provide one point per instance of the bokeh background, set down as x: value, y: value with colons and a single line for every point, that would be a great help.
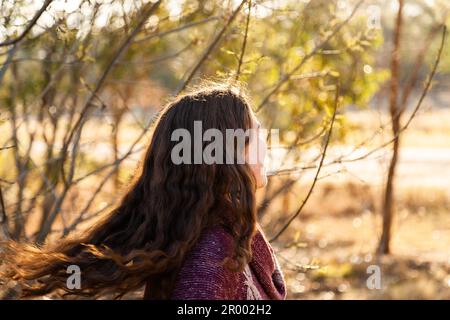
x: 359, y: 91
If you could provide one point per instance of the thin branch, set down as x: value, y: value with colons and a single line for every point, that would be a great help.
x: 327, y: 141
x: 244, y: 42
x: 9, y: 58
x: 210, y: 48
x: 3, y: 216
x: 146, y: 12
x: 115, y: 164
x: 316, y: 49
x: 411, y: 83
x: 181, y: 28
x: 310, y: 139
x: 28, y: 27
x: 75, y: 132
x: 8, y: 147
x: 342, y: 159
x: 6, y: 181
x: 268, y: 199
x: 419, y: 102
x: 158, y: 59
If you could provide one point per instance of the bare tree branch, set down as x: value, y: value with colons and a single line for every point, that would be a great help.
x: 4, y: 229
x: 210, y: 48
x: 327, y: 141
x: 181, y: 28
x: 147, y: 11
x: 308, y: 56
x: 419, y: 102
x: 244, y: 42
x: 28, y: 27
x: 343, y: 159
x: 9, y: 58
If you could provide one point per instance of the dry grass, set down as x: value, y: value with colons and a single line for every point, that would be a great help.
x: 325, y: 253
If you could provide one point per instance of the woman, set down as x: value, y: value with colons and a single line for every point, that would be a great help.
x: 184, y: 230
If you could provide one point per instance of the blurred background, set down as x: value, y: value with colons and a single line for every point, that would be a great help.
x: 359, y: 91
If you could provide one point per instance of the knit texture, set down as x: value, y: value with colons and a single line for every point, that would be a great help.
x: 203, y: 277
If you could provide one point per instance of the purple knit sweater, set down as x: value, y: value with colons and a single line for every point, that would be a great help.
x: 202, y: 276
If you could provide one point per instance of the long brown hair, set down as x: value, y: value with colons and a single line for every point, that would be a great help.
x: 145, y: 239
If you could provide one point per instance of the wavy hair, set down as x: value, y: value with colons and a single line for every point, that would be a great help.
x: 158, y: 220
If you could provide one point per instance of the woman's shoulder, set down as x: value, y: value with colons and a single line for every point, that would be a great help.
x: 214, y: 242
x: 202, y: 275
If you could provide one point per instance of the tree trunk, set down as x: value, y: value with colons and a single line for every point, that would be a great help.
x: 388, y: 199
x: 115, y: 142
x: 4, y: 228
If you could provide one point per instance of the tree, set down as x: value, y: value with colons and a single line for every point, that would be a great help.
x: 398, y: 99
x: 395, y: 118
x: 67, y: 73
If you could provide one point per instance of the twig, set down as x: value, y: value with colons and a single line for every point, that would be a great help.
x: 9, y: 58
x: 418, y: 105
x: 210, y: 48
x: 124, y: 46
x: 75, y: 132
x: 186, y: 26
x: 115, y: 164
x: 3, y: 216
x: 7, y: 147
x: 327, y: 141
x: 244, y: 42
x: 342, y: 159
x: 158, y: 59
x: 29, y: 26
x: 288, y: 76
